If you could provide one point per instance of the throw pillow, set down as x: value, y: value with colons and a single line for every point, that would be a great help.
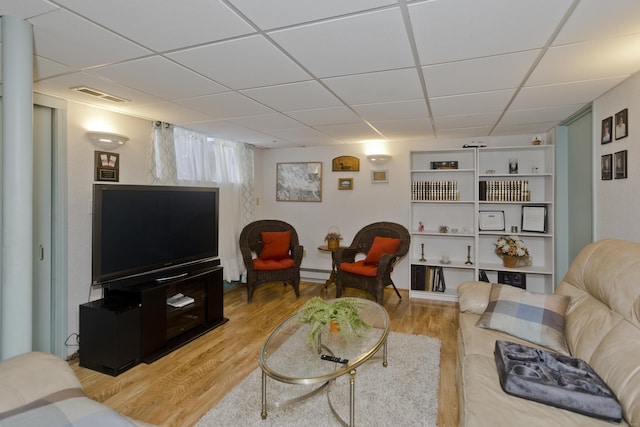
x: 381, y: 245
x: 538, y: 318
x: 275, y: 244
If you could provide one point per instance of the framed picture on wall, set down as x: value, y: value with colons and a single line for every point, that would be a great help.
x: 345, y: 183
x: 605, y: 166
x: 605, y: 133
x: 379, y: 176
x: 622, y: 124
x: 620, y: 161
x: 299, y: 182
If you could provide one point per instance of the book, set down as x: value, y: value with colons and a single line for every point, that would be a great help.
x: 179, y: 300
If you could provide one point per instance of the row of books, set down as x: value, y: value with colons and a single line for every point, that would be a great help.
x: 504, y: 191
x: 435, y: 190
x: 427, y: 278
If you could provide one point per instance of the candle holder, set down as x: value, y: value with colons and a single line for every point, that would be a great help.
x: 468, y: 261
x: 422, y: 258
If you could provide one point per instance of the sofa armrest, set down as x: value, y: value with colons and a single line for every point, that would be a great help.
x: 473, y: 297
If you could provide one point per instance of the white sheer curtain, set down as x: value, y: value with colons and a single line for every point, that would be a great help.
x: 162, y: 161
x: 202, y: 160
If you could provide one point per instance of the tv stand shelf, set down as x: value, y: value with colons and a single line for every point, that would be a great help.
x: 162, y: 327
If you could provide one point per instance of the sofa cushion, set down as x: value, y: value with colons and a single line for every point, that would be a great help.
x: 275, y: 244
x: 380, y: 246
x: 538, y: 318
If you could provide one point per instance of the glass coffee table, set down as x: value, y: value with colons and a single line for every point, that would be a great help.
x: 289, y: 357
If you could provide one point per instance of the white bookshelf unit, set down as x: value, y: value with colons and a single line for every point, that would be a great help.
x: 449, y: 189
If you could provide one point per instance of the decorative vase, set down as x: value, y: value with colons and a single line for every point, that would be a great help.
x: 509, y: 261
x: 334, y: 326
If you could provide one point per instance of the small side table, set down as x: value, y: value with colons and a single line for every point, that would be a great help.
x: 334, y: 267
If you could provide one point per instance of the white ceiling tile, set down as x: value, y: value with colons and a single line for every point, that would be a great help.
x: 539, y: 115
x: 466, y: 120
x: 266, y: 122
x: 588, y: 61
x: 393, y: 110
x: 25, y: 9
x: 479, y: 75
x: 164, y: 25
x: 597, y: 19
x: 160, y: 77
x: 563, y: 94
x: 461, y: 29
x: 225, y: 105
x: 325, y: 116
x: 523, y: 128
x: 405, y: 129
x: 294, y: 96
x: 471, y: 103
x: 305, y: 136
x: 478, y: 131
x: 349, y: 133
x: 382, y: 86
x: 43, y: 68
x: 241, y: 64
x: 368, y: 42
x: 56, y: 32
x: 168, y: 112
x: 269, y: 14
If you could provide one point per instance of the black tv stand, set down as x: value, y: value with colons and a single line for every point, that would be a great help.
x: 162, y: 327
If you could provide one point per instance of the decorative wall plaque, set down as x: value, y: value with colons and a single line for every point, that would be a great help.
x: 107, y: 166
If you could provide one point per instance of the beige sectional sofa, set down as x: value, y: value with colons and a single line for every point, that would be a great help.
x: 40, y: 389
x: 602, y: 327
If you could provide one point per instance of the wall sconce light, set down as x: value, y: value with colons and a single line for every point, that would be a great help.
x: 107, y: 140
x: 378, y: 159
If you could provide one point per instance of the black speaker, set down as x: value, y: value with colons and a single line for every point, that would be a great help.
x: 110, y: 335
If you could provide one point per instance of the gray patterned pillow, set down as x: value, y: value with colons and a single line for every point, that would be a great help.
x: 537, y: 318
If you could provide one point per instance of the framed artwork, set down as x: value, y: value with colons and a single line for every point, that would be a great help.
x: 299, y: 182
x: 605, y: 133
x: 107, y: 166
x: 379, y: 176
x: 534, y: 218
x: 491, y: 220
x: 345, y: 183
x: 622, y: 124
x: 620, y: 161
x: 345, y: 164
x: 605, y: 166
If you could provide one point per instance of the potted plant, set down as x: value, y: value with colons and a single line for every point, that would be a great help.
x: 333, y: 238
x: 512, y: 250
x: 342, y: 312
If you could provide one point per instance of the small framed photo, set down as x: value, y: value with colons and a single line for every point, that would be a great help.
x: 605, y: 166
x: 107, y: 166
x: 379, y: 176
x: 605, y: 133
x: 345, y: 183
x: 534, y: 218
x: 622, y: 124
x: 620, y: 161
x: 491, y: 220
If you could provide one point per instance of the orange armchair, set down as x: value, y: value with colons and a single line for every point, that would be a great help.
x: 271, y: 253
x: 383, y: 244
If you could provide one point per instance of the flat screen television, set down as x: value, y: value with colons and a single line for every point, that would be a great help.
x: 150, y: 230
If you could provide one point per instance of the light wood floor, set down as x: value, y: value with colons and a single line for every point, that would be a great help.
x: 181, y: 387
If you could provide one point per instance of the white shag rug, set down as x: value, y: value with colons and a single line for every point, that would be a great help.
x: 405, y: 393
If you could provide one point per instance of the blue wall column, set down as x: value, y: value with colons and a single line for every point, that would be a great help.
x: 16, y: 288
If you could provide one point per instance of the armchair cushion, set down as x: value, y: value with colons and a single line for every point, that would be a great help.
x: 361, y: 268
x: 272, y: 264
x: 275, y: 245
x: 381, y: 245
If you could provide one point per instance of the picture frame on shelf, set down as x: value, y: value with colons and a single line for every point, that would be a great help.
x: 299, y: 182
x: 620, y: 161
x: 605, y: 166
x: 379, y: 176
x: 491, y: 220
x: 534, y: 219
x: 345, y: 183
x: 622, y: 124
x: 605, y: 132
x: 445, y: 164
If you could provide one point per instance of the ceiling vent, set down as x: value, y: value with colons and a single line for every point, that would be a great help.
x: 99, y: 94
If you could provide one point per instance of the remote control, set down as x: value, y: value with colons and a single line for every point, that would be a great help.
x: 334, y: 359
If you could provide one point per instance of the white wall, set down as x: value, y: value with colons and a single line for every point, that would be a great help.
x: 618, y: 201
x: 81, y: 174
x: 350, y: 210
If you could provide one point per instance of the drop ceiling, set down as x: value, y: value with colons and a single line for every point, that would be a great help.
x: 291, y: 73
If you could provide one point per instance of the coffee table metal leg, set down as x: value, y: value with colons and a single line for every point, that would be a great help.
x: 352, y: 397
x: 264, y: 396
x: 384, y: 354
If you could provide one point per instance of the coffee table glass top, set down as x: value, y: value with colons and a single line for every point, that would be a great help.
x: 288, y: 355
